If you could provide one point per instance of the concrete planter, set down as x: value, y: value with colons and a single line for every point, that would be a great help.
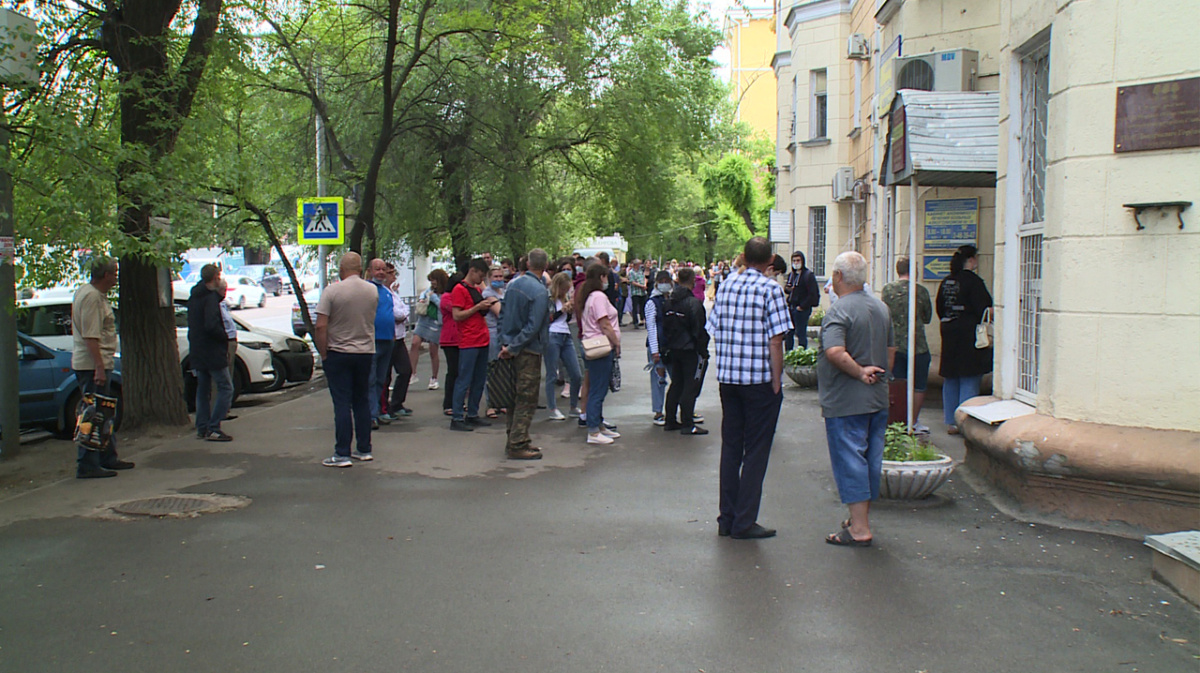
x: 804, y: 376
x: 914, y: 480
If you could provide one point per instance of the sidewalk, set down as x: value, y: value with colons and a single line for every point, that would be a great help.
x: 443, y: 556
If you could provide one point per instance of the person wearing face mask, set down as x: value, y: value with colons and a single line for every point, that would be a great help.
x: 655, y: 310
x: 961, y: 300
x: 802, y: 296
x: 495, y: 290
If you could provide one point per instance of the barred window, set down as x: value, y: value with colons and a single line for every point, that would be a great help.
x: 816, y: 250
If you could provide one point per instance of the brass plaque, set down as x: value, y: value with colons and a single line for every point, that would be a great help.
x: 1159, y: 116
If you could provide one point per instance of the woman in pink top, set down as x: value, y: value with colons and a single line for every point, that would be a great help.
x: 597, y: 317
x: 449, y: 344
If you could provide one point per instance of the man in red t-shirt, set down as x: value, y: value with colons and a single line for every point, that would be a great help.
x: 468, y: 308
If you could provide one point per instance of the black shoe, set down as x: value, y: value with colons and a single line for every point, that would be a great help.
x: 117, y: 464
x: 694, y: 430
x: 93, y: 473
x: 723, y: 531
x: 478, y: 422
x: 218, y: 436
x: 461, y: 426
x: 672, y: 426
x: 374, y: 424
x: 200, y: 434
x: 754, y: 532
x: 610, y: 426
x: 582, y: 423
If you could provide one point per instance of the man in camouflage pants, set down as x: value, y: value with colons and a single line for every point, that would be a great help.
x: 524, y: 334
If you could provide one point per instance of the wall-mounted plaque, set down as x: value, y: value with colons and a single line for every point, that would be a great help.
x: 1159, y: 116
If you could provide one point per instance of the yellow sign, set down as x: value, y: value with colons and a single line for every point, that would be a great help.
x: 322, y: 220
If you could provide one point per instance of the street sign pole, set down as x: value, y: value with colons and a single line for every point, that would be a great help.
x: 10, y: 388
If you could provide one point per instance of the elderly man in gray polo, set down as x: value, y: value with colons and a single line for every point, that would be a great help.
x: 857, y: 349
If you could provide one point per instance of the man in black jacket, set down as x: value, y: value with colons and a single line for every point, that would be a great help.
x: 685, y: 343
x: 208, y: 344
x: 802, y: 297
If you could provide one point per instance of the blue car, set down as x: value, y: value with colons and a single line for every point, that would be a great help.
x: 49, y: 391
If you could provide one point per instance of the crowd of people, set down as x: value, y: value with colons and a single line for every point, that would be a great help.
x: 515, y: 331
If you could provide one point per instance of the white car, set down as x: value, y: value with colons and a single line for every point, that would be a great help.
x: 244, y: 291
x: 50, y: 321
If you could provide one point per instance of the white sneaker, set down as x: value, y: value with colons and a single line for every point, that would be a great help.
x: 660, y: 420
x: 599, y: 438
x: 566, y: 393
x: 575, y: 413
x: 557, y: 415
x: 433, y: 384
x: 414, y: 380
x: 611, y: 434
x: 342, y: 461
x: 364, y: 457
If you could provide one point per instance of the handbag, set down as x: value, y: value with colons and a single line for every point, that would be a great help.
x: 502, y: 384
x: 95, y: 421
x: 614, y: 382
x: 596, y: 347
x: 983, y: 331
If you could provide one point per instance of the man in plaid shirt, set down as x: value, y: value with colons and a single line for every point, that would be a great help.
x: 748, y: 323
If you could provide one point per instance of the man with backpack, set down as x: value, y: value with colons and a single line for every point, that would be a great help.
x: 685, y: 342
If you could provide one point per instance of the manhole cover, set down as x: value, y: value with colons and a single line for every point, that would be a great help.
x: 180, y: 505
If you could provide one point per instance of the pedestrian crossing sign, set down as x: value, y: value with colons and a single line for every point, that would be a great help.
x: 322, y: 220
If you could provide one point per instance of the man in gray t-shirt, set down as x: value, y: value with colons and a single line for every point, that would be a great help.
x: 857, y: 348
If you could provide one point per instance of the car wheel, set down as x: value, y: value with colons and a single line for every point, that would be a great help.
x: 189, y: 388
x: 241, y: 303
x: 241, y: 380
x: 66, y: 428
x: 280, y: 374
x: 262, y: 301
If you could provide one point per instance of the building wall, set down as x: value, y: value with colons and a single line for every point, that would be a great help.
x: 1121, y: 308
x: 751, y: 43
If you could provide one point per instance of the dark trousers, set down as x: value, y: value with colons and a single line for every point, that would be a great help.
x: 748, y: 418
x: 799, y: 331
x: 685, y: 387
x: 348, y: 376
x: 402, y: 366
x: 451, y: 378
x: 639, y: 309
x: 88, y: 458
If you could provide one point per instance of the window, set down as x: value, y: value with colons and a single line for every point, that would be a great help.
x: 795, y: 111
x: 816, y: 249
x: 1035, y: 99
x: 818, y: 123
x: 858, y: 68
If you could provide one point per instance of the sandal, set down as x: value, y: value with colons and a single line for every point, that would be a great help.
x: 846, y: 523
x: 843, y: 538
x: 448, y: 412
x: 491, y: 413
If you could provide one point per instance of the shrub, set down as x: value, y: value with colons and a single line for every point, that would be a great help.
x: 902, y: 447
x: 800, y: 357
x: 817, y: 316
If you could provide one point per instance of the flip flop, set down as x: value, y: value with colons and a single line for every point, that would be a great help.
x: 491, y: 413
x: 843, y: 538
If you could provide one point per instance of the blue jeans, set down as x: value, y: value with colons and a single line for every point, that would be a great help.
x: 380, y: 364
x: 799, y: 331
x: 561, y: 350
x: 472, y: 375
x: 658, y: 383
x: 599, y: 376
x: 856, y: 454
x: 209, y: 420
x: 348, y: 376
x: 85, y: 457
x: 955, y: 391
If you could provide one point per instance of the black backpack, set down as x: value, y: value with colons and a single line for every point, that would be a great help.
x: 676, y: 334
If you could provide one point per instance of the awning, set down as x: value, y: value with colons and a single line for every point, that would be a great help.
x: 943, y: 138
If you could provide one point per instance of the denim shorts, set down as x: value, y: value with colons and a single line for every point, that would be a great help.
x: 921, y: 367
x: 856, y: 454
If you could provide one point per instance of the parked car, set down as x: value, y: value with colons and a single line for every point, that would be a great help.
x: 49, y: 321
x: 266, y: 276
x: 50, y: 392
x: 311, y: 298
x: 243, y: 291
x: 291, y: 358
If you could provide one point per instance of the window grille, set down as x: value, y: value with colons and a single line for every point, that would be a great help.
x: 816, y: 251
x: 1030, y: 309
x: 819, y: 128
x: 1035, y: 98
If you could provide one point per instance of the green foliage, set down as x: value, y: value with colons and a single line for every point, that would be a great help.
x: 801, y: 357
x: 817, y: 317
x: 900, y: 446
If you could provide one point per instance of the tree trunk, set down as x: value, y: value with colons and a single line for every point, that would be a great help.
x: 153, y: 390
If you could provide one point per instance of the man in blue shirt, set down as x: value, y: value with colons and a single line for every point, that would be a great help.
x: 524, y: 335
x: 385, y: 340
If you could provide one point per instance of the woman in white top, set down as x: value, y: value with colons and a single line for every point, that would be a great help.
x: 598, y: 317
x: 561, y: 349
x: 429, y: 326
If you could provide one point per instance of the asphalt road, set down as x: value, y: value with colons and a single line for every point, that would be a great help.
x: 442, y: 556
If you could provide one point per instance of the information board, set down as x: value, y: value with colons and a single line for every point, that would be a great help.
x: 322, y: 220
x: 935, y: 267
x: 887, y: 81
x: 1159, y: 116
x: 781, y: 227
x: 950, y: 223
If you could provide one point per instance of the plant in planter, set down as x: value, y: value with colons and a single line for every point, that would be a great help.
x: 912, y: 469
x: 800, y: 364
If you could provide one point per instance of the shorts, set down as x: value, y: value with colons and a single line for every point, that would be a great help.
x: 920, y: 376
x: 428, y: 331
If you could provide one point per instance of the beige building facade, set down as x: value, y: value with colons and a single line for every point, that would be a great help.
x: 750, y: 38
x: 1095, y: 316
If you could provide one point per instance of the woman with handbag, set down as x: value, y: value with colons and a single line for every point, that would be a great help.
x: 601, y: 347
x: 962, y: 300
x: 429, y: 325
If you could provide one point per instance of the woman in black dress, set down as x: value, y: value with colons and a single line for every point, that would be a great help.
x: 961, y: 301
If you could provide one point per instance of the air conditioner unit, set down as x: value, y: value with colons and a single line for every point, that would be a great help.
x: 953, y: 70
x: 843, y: 184
x: 857, y: 47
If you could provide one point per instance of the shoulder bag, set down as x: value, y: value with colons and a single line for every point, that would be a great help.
x: 983, y: 331
x: 596, y: 347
